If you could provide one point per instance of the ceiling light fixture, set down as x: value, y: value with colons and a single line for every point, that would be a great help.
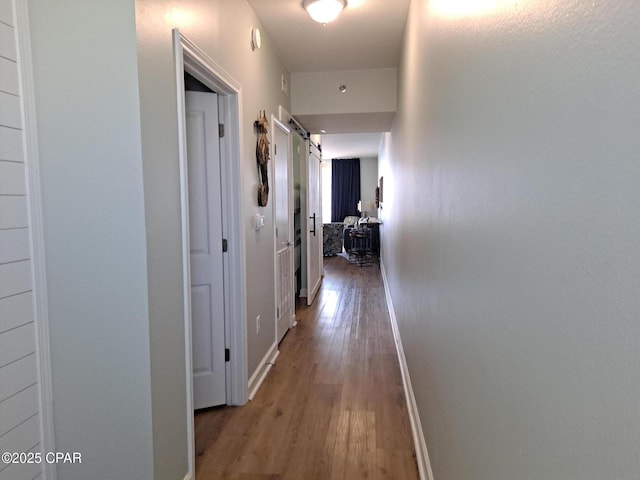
x: 324, y: 11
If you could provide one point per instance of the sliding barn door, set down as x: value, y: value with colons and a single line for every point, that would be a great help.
x: 314, y: 222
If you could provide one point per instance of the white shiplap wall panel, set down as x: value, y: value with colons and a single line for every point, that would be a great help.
x: 18, y: 407
x: 15, y: 278
x: 17, y: 376
x: 14, y: 245
x: 20, y: 439
x: 8, y: 76
x: 21, y: 472
x: 11, y: 144
x: 12, y: 178
x: 16, y: 343
x: 6, y: 12
x: 13, y: 212
x: 7, y: 42
x: 10, y: 110
x: 19, y: 390
x: 15, y: 311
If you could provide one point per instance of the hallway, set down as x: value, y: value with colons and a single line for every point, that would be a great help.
x: 333, y: 405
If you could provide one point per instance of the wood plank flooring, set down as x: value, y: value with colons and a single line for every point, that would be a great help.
x: 333, y: 405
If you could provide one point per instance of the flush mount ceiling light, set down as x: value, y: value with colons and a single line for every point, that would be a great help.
x: 324, y: 11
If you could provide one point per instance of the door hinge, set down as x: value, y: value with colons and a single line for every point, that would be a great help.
x: 227, y: 355
x: 275, y: 149
x: 225, y: 245
x: 221, y: 130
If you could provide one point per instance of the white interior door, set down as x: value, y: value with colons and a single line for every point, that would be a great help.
x: 314, y: 219
x: 284, y: 228
x: 205, y: 232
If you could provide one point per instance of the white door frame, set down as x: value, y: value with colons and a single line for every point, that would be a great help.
x: 188, y: 57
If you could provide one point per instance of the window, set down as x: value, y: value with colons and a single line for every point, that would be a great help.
x: 325, y: 172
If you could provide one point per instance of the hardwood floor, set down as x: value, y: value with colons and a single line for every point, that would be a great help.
x: 333, y: 405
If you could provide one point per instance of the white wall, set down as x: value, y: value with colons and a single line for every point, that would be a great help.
x: 87, y: 108
x: 510, y: 237
x: 368, y: 183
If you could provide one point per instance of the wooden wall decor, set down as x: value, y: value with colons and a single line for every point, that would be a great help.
x: 262, y: 156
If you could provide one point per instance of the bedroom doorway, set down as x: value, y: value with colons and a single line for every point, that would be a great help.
x: 192, y: 60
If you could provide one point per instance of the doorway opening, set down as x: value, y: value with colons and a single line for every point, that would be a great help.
x: 189, y: 59
x: 305, y: 213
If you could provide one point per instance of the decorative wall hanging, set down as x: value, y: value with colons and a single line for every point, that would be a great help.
x: 262, y: 156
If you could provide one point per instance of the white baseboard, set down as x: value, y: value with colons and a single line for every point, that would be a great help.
x: 261, y: 372
x: 422, y: 456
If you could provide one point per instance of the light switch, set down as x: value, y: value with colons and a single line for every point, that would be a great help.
x: 258, y: 221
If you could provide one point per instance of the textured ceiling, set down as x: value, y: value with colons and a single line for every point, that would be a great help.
x: 367, y: 34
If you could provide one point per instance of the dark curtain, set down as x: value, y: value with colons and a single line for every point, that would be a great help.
x: 345, y: 188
